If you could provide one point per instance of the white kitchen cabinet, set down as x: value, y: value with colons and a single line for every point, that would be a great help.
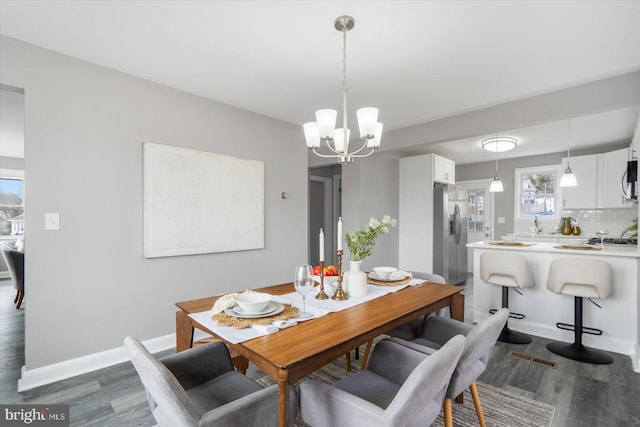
x: 599, y: 180
x: 444, y: 170
x: 612, y: 166
x: 584, y: 196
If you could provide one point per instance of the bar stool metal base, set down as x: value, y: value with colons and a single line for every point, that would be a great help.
x: 513, y: 337
x: 580, y: 353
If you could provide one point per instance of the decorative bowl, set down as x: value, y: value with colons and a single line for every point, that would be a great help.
x: 509, y: 238
x: 254, y: 302
x: 384, y: 272
x: 574, y: 243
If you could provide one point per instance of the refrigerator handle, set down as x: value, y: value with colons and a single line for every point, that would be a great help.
x: 457, y: 223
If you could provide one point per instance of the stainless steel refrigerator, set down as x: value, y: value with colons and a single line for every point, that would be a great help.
x: 450, y: 232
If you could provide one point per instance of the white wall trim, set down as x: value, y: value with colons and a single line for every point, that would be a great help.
x: 70, y: 368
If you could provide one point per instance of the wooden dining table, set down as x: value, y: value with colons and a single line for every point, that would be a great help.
x: 295, y: 352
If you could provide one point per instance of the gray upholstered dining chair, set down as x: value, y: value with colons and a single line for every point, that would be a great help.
x: 399, y: 387
x: 198, y: 387
x: 15, y: 264
x: 480, y: 340
x: 410, y: 330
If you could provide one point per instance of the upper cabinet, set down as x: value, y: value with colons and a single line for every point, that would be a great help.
x: 614, y: 166
x: 599, y: 181
x: 444, y: 170
x: 584, y: 195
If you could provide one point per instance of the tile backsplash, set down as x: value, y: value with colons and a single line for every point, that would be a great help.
x: 589, y: 220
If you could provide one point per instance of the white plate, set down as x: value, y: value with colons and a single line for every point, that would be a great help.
x: 272, y: 308
x: 374, y: 276
x: 266, y: 310
x: 575, y: 245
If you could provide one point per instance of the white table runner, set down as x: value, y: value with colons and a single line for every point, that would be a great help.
x: 315, y: 306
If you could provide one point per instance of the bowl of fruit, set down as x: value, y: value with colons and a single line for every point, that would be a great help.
x: 330, y: 274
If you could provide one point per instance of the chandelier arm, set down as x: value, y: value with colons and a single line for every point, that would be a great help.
x: 363, y: 155
x: 364, y: 145
x: 326, y: 143
x: 327, y: 155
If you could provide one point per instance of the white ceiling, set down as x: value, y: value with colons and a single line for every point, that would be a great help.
x: 415, y: 60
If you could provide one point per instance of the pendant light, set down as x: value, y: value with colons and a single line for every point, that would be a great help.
x: 568, y: 179
x: 496, y: 185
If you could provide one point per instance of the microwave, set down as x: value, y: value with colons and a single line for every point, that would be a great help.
x: 630, y: 181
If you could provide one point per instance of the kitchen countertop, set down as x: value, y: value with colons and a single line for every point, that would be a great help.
x: 630, y: 251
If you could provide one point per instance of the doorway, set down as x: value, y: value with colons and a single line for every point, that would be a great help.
x: 325, y: 207
x: 480, y: 219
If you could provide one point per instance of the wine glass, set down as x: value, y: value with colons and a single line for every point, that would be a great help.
x: 602, y: 233
x: 533, y: 231
x: 303, y: 282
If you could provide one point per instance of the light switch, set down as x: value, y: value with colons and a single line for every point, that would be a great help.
x: 501, y: 220
x: 52, y: 221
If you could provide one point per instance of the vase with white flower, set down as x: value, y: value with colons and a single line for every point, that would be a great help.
x: 361, y: 244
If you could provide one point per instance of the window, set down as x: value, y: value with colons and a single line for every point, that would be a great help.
x: 11, y: 204
x: 537, y: 192
x: 475, y: 209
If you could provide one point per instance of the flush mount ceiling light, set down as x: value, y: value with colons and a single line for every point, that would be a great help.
x: 499, y: 144
x: 568, y: 178
x: 336, y: 141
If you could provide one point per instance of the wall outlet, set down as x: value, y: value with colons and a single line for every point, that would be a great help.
x: 52, y: 221
x: 501, y: 220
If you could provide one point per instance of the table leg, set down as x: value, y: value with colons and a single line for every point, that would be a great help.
x: 457, y: 307
x: 283, y: 398
x: 184, y: 331
x: 457, y: 312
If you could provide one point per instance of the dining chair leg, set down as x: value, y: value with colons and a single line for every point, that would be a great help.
x: 365, y: 358
x: 448, y: 417
x: 15, y: 300
x: 348, y: 358
x: 19, y: 303
x: 476, y: 402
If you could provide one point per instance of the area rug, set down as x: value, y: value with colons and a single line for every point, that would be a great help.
x: 501, y: 408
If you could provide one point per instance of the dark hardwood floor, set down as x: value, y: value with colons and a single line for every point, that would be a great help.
x: 583, y: 394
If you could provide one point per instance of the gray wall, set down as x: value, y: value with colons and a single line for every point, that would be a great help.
x: 88, y: 284
x: 370, y: 188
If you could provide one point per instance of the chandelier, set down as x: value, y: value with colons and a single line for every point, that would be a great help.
x: 323, y: 130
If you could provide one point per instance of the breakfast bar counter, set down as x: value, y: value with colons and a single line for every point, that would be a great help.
x: 618, y: 318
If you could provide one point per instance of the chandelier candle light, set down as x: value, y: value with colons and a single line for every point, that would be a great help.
x: 324, y: 128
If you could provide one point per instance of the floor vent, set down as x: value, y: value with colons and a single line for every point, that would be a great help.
x: 532, y: 359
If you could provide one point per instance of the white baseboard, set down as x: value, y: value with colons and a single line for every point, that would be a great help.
x: 32, y: 378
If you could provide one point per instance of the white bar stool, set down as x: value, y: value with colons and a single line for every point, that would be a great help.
x: 580, y: 278
x: 508, y: 270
